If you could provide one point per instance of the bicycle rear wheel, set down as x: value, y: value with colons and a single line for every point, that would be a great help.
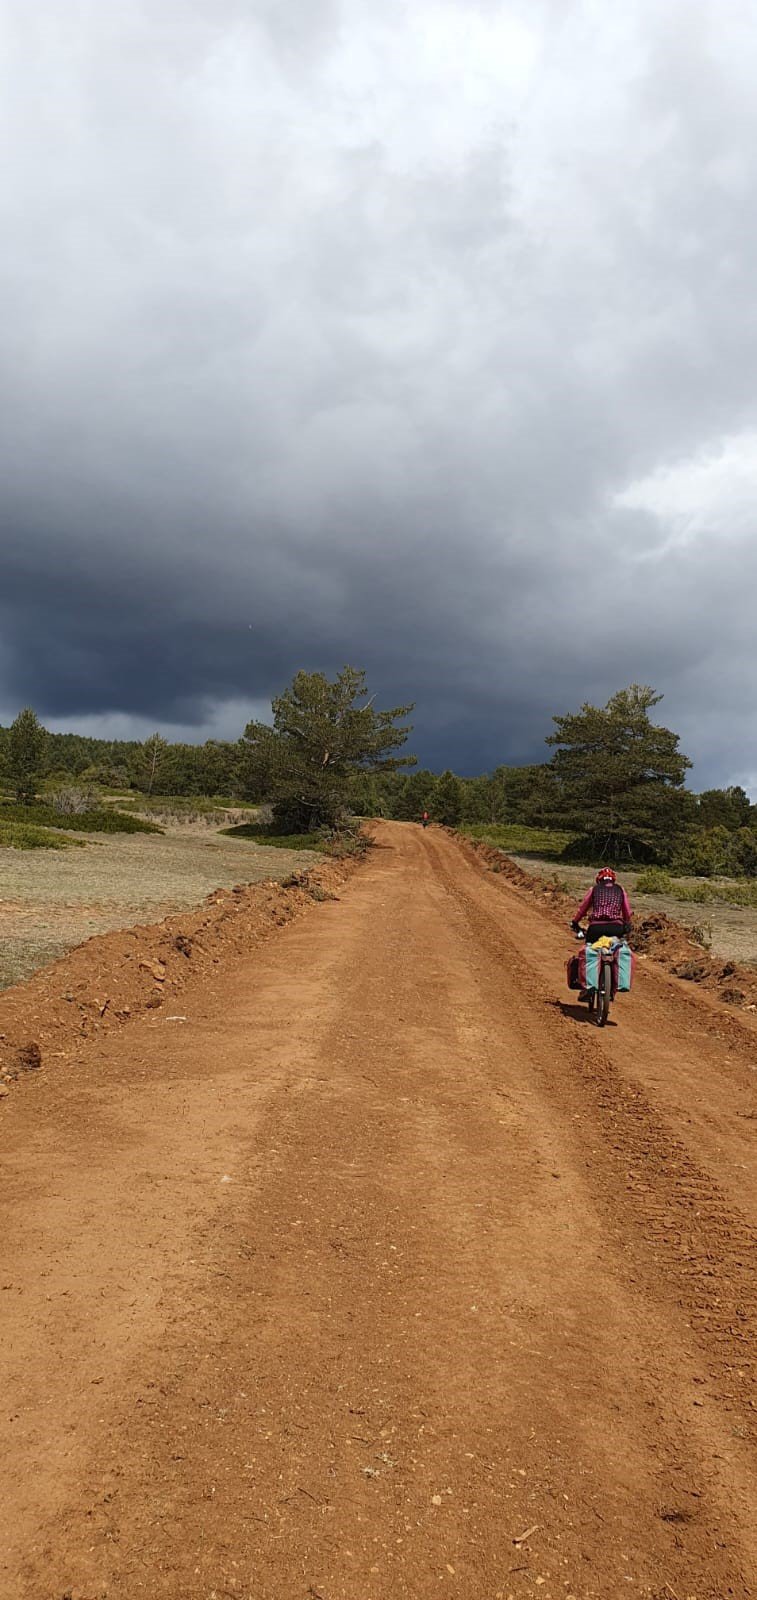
x: 604, y: 994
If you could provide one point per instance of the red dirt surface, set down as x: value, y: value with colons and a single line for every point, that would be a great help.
x: 384, y: 1274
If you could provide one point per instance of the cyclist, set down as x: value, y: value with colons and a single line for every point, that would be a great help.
x: 607, y: 907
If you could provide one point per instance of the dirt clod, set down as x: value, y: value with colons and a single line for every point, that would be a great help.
x: 157, y: 968
x: 693, y: 971
x: 29, y: 1058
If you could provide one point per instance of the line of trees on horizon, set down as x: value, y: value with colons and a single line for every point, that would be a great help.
x: 616, y: 780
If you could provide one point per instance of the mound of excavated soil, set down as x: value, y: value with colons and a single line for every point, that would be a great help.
x: 667, y: 942
x: 101, y: 984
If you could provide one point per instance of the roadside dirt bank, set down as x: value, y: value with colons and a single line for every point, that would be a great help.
x: 111, y: 978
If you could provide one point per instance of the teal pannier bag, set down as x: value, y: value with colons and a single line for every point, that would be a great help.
x: 624, y: 963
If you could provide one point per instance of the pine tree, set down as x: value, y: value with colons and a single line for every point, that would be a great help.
x: 321, y: 737
x: 25, y: 750
x: 448, y: 800
x: 620, y: 778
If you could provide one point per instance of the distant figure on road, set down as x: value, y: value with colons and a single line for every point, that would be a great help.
x: 607, y: 907
x: 425, y: 819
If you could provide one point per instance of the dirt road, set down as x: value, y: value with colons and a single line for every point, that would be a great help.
x: 384, y: 1274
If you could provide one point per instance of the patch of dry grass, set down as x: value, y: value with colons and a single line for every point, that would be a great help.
x: 50, y: 902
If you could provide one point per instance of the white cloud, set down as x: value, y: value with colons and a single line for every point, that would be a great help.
x: 712, y: 496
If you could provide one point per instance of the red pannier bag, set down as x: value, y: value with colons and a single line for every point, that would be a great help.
x: 575, y: 968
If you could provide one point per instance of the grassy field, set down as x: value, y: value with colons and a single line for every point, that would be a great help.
x: 53, y: 899
x: 30, y: 836
x: 100, y: 819
x: 163, y: 808
x: 545, y: 844
x: 698, y: 891
x: 40, y: 826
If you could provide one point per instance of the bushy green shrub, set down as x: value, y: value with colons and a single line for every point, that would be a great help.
x: 696, y: 894
x: 337, y: 842
x: 102, y: 820
x: 704, y: 853
x: 654, y: 880
x: 280, y: 841
x: 744, y: 851
x: 732, y: 894
x: 718, y: 852
x: 27, y: 836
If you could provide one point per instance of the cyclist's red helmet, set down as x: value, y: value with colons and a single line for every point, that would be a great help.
x: 605, y: 875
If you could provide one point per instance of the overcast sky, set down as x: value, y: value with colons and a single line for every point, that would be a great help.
x: 420, y: 335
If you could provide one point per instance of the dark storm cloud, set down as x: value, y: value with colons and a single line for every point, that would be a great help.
x: 417, y: 337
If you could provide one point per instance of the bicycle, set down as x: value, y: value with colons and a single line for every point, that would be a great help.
x: 599, y: 996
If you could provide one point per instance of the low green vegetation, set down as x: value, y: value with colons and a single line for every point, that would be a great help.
x: 705, y: 892
x: 549, y: 844
x: 27, y: 836
x: 732, y: 894
x: 101, y: 820
x: 654, y: 880
x: 259, y: 833
x: 338, y: 843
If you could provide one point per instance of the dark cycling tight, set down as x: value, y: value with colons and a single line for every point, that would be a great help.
x: 604, y: 930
